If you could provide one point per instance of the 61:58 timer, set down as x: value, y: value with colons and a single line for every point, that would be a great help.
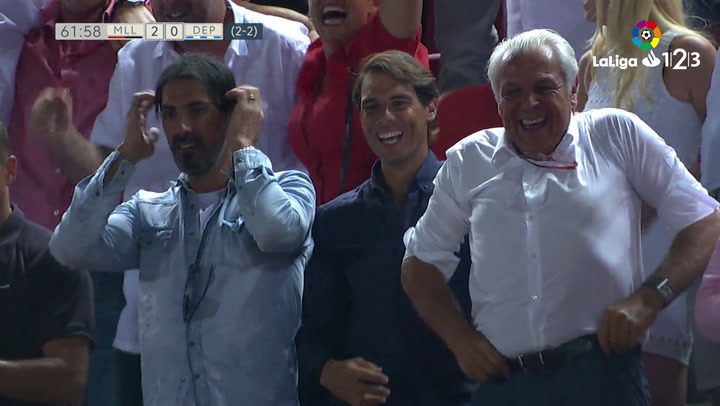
x: 79, y: 31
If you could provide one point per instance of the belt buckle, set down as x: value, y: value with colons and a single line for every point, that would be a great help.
x: 524, y: 367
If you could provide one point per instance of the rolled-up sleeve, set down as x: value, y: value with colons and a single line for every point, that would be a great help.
x: 659, y: 177
x: 707, y: 303
x: 277, y: 208
x: 439, y: 233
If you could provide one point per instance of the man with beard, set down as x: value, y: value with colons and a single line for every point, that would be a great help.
x: 221, y: 260
x: 271, y: 64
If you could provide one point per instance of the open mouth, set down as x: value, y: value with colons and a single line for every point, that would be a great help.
x: 177, y: 13
x: 185, y: 146
x: 533, y: 124
x: 333, y: 15
x: 390, y: 137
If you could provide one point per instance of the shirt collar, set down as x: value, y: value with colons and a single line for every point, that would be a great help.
x: 183, y: 182
x: 238, y: 47
x: 50, y: 13
x: 504, y: 151
x: 423, y: 179
x: 10, y: 231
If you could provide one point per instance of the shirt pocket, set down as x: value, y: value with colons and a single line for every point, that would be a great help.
x: 155, y: 246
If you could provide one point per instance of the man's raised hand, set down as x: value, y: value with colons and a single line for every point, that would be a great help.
x: 139, y: 143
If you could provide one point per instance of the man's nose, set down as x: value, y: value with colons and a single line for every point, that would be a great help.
x: 530, y: 100
x: 185, y: 125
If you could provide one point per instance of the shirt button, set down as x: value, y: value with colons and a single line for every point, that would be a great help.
x: 197, y: 376
x: 56, y: 212
x: 530, y: 217
x: 533, y: 255
x: 534, y: 297
x: 58, y: 171
x: 191, y: 343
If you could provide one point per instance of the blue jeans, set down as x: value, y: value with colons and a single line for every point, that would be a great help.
x: 589, y: 380
x: 103, y: 381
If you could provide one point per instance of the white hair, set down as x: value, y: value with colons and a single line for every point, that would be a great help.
x: 543, y: 40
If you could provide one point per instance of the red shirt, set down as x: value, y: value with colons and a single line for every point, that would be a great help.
x: 41, y: 189
x: 317, y: 125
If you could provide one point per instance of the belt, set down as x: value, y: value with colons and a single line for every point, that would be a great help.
x: 554, y: 357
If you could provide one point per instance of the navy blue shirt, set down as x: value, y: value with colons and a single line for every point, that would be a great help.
x: 354, y: 304
x: 40, y: 300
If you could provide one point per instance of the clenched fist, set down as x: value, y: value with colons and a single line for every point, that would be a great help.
x: 51, y: 115
x: 139, y: 144
x: 246, y: 119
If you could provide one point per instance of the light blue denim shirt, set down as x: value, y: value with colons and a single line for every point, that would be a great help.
x: 219, y: 307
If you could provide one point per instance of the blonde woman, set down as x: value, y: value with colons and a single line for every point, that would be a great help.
x: 672, y: 102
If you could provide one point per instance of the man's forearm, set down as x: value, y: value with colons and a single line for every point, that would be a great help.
x: 77, y: 156
x: 41, y: 380
x: 690, y: 253
x: 433, y: 300
x: 278, y: 209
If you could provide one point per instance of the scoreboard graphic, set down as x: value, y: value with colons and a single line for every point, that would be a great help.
x: 158, y: 31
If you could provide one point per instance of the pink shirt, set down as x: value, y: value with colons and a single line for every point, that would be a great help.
x: 41, y: 189
x: 707, y: 304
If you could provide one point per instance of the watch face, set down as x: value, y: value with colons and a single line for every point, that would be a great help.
x: 666, y: 291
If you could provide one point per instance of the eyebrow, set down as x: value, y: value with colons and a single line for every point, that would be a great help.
x: 401, y: 97
x: 196, y: 103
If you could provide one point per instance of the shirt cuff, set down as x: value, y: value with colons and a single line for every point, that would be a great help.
x: 445, y: 262
x: 118, y: 182
x: 247, y: 160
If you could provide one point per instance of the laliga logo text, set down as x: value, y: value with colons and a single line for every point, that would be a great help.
x: 646, y: 35
x: 679, y: 59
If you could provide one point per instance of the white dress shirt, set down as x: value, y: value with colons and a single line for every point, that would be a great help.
x: 710, y: 149
x: 553, y: 248
x: 271, y: 64
x: 565, y: 17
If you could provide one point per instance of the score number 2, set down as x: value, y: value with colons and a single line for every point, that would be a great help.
x: 682, y: 58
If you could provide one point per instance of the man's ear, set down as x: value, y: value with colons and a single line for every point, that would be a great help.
x: 432, y: 110
x: 573, y: 94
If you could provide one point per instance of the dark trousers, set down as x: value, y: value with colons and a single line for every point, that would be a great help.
x: 589, y: 380
x: 130, y: 393
x: 103, y: 375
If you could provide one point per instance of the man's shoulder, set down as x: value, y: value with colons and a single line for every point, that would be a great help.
x: 33, y: 239
x: 345, y: 206
x: 141, y: 53
x: 606, y: 115
x: 137, y: 48
x: 483, y: 142
x: 33, y: 243
x: 611, y: 123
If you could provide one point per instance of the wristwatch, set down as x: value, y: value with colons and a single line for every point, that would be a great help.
x: 662, y: 286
